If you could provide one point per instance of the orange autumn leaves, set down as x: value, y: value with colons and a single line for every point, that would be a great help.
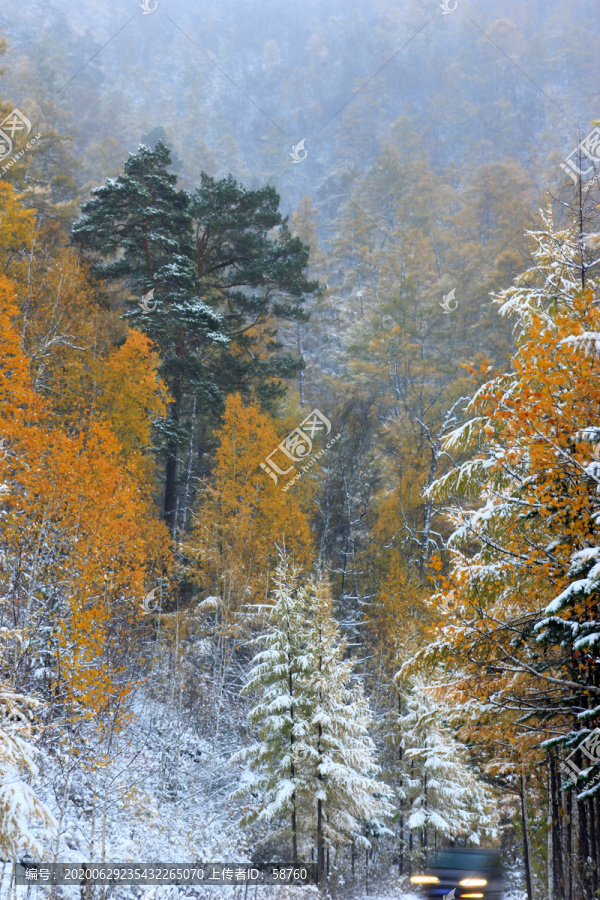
x: 244, y: 517
x: 512, y: 552
x: 544, y: 410
x: 78, y: 534
x: 79, y: 530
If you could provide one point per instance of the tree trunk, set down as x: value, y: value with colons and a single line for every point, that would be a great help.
x: 320, y: 846
x: 593, y: 827
x: 569, y: 847
x: 320, y: 839
x: 293, y: 771
x: 583, y: 873
x: 557, y: 862
x: 596, y: 807
x: 170, y: 504
x: 301, y: 372
x: 424, y: 833
x: 549, y: 839
x: 410, y: 833
x: 526, y: 843
x: 584, y: 843
x: 401, y: 817
x: 188, y: 476
x: 294, y: 831
x: 401, y: 846
x: 93, y: 832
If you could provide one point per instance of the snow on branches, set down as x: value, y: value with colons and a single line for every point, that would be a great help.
x: 311, y: 772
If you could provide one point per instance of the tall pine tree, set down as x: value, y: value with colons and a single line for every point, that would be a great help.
x: 223, y: 269
x: 140, y: 227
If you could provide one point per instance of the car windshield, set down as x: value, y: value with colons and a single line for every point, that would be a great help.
x: 461, y: 859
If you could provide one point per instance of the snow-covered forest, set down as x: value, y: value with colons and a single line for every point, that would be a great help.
x: 300, y: 444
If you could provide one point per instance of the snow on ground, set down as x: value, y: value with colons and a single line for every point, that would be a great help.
x: 166, y: 794
x: 403, y: 896
x: 167, y: 801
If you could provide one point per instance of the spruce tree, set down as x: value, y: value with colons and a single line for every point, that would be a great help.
x: 446, y: 798
x: 347, y: 798
x: 312, y: 770
x: 277, y: 771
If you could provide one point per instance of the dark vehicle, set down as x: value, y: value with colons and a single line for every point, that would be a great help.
x: 454, y: 874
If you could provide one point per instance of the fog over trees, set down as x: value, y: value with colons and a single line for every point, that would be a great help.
x: 299, y: 446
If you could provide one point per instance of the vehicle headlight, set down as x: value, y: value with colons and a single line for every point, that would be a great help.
x: 473, y: 882
x: 471, y: 895
x: 424, y: 879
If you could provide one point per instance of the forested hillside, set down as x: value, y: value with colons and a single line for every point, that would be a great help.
x: 300, y: 444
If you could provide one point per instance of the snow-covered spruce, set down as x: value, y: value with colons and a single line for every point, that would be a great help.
x: 311, y: 773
